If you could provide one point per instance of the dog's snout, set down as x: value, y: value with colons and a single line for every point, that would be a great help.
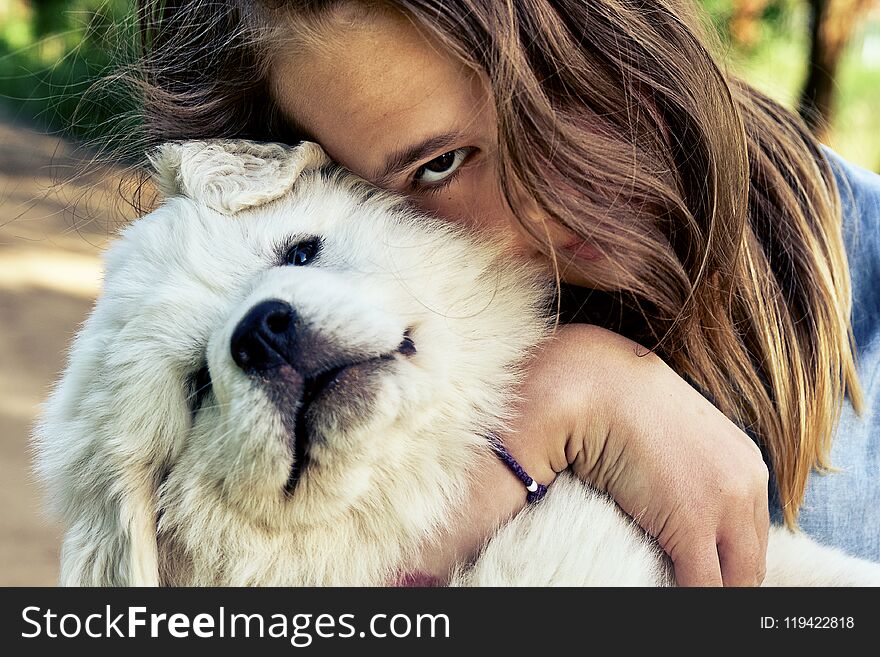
x: 264, y: 336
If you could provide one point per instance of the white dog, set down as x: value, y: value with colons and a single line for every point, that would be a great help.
x: 289, y: 379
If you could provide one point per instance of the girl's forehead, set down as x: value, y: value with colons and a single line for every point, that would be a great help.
x: 376, y: 86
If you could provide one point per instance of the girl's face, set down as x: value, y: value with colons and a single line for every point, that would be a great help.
x: 389, y: 104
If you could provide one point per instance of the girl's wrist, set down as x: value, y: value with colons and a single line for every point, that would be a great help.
x: 571, y: 394
x: 608, y: 366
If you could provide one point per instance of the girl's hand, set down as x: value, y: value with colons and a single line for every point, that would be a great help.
x: 633, y: 428
x: 628, y: 424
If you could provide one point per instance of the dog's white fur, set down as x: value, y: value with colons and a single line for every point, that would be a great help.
x: 154, y: 491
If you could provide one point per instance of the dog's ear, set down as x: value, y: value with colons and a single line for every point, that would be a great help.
x: 102, y: 445
x: 232, y: 175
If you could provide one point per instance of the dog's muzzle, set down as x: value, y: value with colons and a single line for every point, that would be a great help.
x: 301, y: 368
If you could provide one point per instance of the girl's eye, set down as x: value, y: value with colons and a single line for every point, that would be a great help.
x: 303, y: 253
x: 442, y: 167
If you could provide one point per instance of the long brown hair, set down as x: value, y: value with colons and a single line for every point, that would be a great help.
x: 714, y: 208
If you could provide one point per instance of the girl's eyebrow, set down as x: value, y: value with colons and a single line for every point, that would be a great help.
x: 404, y: 158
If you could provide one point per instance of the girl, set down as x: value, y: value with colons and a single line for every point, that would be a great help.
x: 679, y: 208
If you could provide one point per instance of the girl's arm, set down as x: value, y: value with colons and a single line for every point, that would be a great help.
x: 625, y: 422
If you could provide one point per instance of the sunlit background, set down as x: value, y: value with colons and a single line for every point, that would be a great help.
x: 58, y: 59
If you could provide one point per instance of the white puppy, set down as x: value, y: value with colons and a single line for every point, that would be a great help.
x: 289, y: 379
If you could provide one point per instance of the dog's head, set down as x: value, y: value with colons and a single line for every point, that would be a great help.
x: 286, y: 365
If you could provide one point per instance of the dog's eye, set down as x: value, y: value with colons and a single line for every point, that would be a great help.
x: 303, y: 253
x: 201, y: 386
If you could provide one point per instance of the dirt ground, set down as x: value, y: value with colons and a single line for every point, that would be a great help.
x: 53, y: 224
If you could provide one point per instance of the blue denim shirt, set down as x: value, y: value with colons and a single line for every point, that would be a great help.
x: 843, y: 508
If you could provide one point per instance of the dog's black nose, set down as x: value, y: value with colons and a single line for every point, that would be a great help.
x: 265, y: 337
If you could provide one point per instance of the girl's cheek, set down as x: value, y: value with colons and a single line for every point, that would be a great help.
x: 475, y: 200
x: 469, y: 199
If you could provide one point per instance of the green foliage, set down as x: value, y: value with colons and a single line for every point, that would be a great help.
x: 58, y: 59
x: 777, y: 65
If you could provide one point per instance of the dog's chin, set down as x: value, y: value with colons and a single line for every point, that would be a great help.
x: 332, y: 404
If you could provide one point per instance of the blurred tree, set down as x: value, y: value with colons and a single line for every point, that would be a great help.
x: 831, y: 27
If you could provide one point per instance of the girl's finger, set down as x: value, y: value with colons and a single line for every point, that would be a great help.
x: 698, y: 565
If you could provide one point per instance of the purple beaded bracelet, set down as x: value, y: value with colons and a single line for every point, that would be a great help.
x: 535, y: 491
